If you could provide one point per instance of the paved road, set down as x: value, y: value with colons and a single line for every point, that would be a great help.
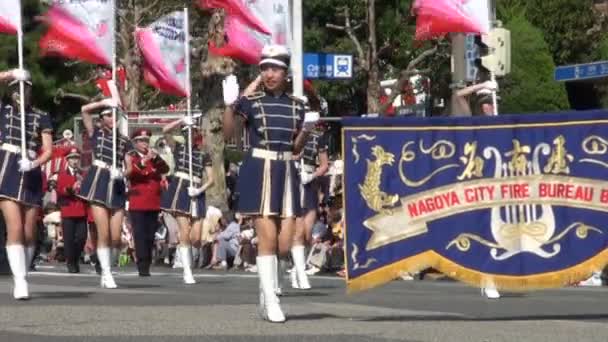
x: 221, y: 307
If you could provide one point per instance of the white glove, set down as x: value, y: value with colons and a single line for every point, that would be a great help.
x: 194, y: 192
x: 115, y: 174
x: 109, y: 103
x: 26, y: 165
x: 230, y: 87
x: 310, y: 120
x: 307, y: 177
x: 190, y: 120
x: 490, y: 85
x: 20, y: 74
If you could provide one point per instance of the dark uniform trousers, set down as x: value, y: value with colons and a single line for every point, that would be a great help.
x: 145, y: 224
x: 74, y: 238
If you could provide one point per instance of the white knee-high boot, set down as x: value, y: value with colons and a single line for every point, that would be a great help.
x: 104, y: 256
x: 17, y: 259
x: 186, y: 256
x: 269, y: 302
x: 299, y: 279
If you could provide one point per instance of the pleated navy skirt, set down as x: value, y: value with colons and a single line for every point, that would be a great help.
x: 176, y: 200
x: 309, y: 197
x: 268, y: 188
x: 24, y: 188
x: 98, y: 188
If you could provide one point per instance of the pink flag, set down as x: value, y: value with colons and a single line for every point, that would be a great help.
x: 80, y: 30
x: 162, y: 46
x: 10, y: 16
x: 242, y: 42
x: 238, y: 9
x: 245, y: 41
x: 438, y: 17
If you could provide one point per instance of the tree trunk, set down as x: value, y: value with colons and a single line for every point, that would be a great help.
x: 130, y: 59
x: 373, y: 89
x: 211, y: 102
x: 373, y: 73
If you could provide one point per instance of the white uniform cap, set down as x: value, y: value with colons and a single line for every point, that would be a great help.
x: 276, y: 55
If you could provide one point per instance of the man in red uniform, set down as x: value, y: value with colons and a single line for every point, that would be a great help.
x: 73, y: 210
x: 145, y: 169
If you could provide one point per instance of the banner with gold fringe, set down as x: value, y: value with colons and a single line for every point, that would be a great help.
x: 519, y: 202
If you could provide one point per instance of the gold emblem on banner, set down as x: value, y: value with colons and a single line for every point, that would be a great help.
x: 376, y: 199
x: 524, y: 227
x: 442, y: 149
x: 595, y: 146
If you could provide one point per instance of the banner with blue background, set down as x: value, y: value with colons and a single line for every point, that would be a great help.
x: 519, y: 202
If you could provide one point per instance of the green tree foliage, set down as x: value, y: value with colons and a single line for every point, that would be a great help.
x: 530, y: 86
x: 574, y: 30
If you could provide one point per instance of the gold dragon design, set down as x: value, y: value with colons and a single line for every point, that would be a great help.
x: 376, y: 199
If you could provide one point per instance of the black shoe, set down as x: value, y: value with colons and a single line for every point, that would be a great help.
x: 144, y: 269
x: 73, y: 268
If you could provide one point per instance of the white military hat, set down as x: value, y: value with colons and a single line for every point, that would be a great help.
x: 276, y: 55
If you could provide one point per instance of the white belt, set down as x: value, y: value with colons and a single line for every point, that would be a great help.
x: 270, y: 155
x: 101, y: 164
x: 16, y: 149
x: 186, y: 176
x: 309, y: 168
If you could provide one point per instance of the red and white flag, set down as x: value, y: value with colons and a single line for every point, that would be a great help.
x: 81, y: 30
x: 162, y: 45
x: 250, y: 25
x: 436, y: 18
x: 10, y: 16
x: 237, y: 8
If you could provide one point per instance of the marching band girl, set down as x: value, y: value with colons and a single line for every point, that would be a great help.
x: 268, y: 182
x: 314, y: 164
x: 185, y: 197
x: 21, y: 178
x: 104, y: 187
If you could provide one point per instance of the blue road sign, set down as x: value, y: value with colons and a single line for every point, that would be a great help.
x: 328, y: 66
x: 580, y: 72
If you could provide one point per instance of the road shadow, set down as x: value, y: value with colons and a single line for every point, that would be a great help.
x: 304, y: 294
x: 62, y: 295
x: 451, y: 318
x: 138, y: 286
x: 311, y: 317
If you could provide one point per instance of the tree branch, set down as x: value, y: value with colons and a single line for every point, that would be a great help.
x: 350, y: 32
x: 405, y: 75
x: 61, y: 95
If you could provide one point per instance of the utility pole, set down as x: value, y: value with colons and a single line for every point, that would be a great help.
x: 458, y: 63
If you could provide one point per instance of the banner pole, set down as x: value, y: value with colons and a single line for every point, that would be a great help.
x: 189, y: 102
x: 21, y: 85
x: 114, y: 109
x: 494, y: 96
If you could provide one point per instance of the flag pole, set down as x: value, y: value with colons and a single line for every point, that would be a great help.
x: 297, y: 47
x: 114, y: 109
x: 189, y: 101
x: 21, y: 84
